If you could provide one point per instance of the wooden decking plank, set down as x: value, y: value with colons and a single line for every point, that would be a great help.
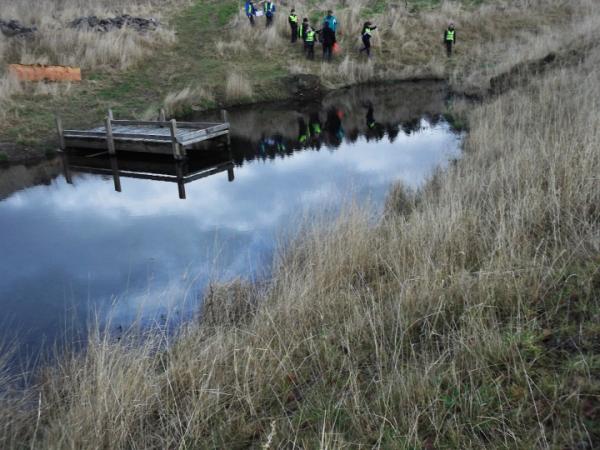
x: 191, y: 134
x: 146, y: 136
x: 204, y: 138
x: 163, y: 124
x: 120, y: 137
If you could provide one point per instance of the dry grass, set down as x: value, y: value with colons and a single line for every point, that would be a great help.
x: 349, y: 71
x: 56, y: 43
x: 467, y: 318
x: 493, y: 37
x: 180, y: 102
x: 238, y: 87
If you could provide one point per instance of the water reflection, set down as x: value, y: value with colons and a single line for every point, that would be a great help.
x: 74, y: 245
x: 149, y: 167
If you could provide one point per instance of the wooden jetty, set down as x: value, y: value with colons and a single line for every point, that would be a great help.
x: 151, y: 168
x: 162, y: 136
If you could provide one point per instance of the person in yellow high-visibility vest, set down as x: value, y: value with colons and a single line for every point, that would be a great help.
x: 449, y: 38
x: 309, y: 41
x: 293, y: 21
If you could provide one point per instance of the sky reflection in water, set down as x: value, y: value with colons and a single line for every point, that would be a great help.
x: 70, y: 249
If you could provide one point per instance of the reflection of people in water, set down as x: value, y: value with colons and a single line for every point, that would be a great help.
x: 370, y: 116
x: 334, y: 128
x: 411, y: 126
x: 303, y: 133
x: 314, y: 122
x: 274, y: 143
x: 374, y: 129
x: 314, y: 125
x: 392, y: 132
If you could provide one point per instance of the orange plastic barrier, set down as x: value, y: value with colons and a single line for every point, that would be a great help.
x: 38, y: 72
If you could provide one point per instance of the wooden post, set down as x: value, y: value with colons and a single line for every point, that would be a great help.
x: 174, y: 143
x: 225, y: 119
x: 60, y: 131
x: 66, y: 168
x: 110, y: 142
x: 180, y: 179
x: 162, y: 117
x: 115, y: 171
x: 110, y: 114
x: 230, y: 174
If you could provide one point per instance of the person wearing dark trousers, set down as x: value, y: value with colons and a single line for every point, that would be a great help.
x: 309, y: 41
x: 327, y: 39
x: 366, y: 37
x: 449, y: 39
x: 250, y: 11
x: 331, y: 21
x: 269, y: 9
x: 293, y: 21
x: 302, y: 33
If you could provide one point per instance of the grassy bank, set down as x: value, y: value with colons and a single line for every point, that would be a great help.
x: 467, y: 317
x: 206, y: 55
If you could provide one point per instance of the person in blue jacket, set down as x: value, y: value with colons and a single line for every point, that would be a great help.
x: 269, y: 12
x: 331, y: 22
x: 250, y: 11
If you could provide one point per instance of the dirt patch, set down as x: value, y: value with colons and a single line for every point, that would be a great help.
x: 13, y: 28
x: 94, y: 23
x: 303, y: 86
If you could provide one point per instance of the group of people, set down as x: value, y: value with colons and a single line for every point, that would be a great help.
x: 268, y: 10
x: 326, y: 35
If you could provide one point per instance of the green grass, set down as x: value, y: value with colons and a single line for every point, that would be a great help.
x: 193, y: 61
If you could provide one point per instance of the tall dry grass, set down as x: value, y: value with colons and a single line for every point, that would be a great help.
x: 467, y: 318
x: 56, y: 43
x: 492, y: 38
x: 180, y: 102
x: 238, y: 87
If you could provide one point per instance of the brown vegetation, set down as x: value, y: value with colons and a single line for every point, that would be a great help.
x: 55, y: 42
x: 467, y: 318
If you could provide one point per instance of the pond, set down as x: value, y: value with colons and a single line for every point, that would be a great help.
x: 136, y: 237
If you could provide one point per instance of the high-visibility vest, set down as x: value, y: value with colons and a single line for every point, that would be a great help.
x: 310, y: 36
x: 450, y: 35
x: 249, y: 8
x: 367, y: 32
x: 269, y: 7
x: 300, y: 30
x: 293, y: 18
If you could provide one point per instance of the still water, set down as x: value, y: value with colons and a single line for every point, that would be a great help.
x: 137, y: 237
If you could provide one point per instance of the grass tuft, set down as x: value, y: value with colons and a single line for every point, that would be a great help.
x: 238, y: 88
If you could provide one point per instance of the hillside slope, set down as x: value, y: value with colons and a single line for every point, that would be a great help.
x: 206, y: 55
